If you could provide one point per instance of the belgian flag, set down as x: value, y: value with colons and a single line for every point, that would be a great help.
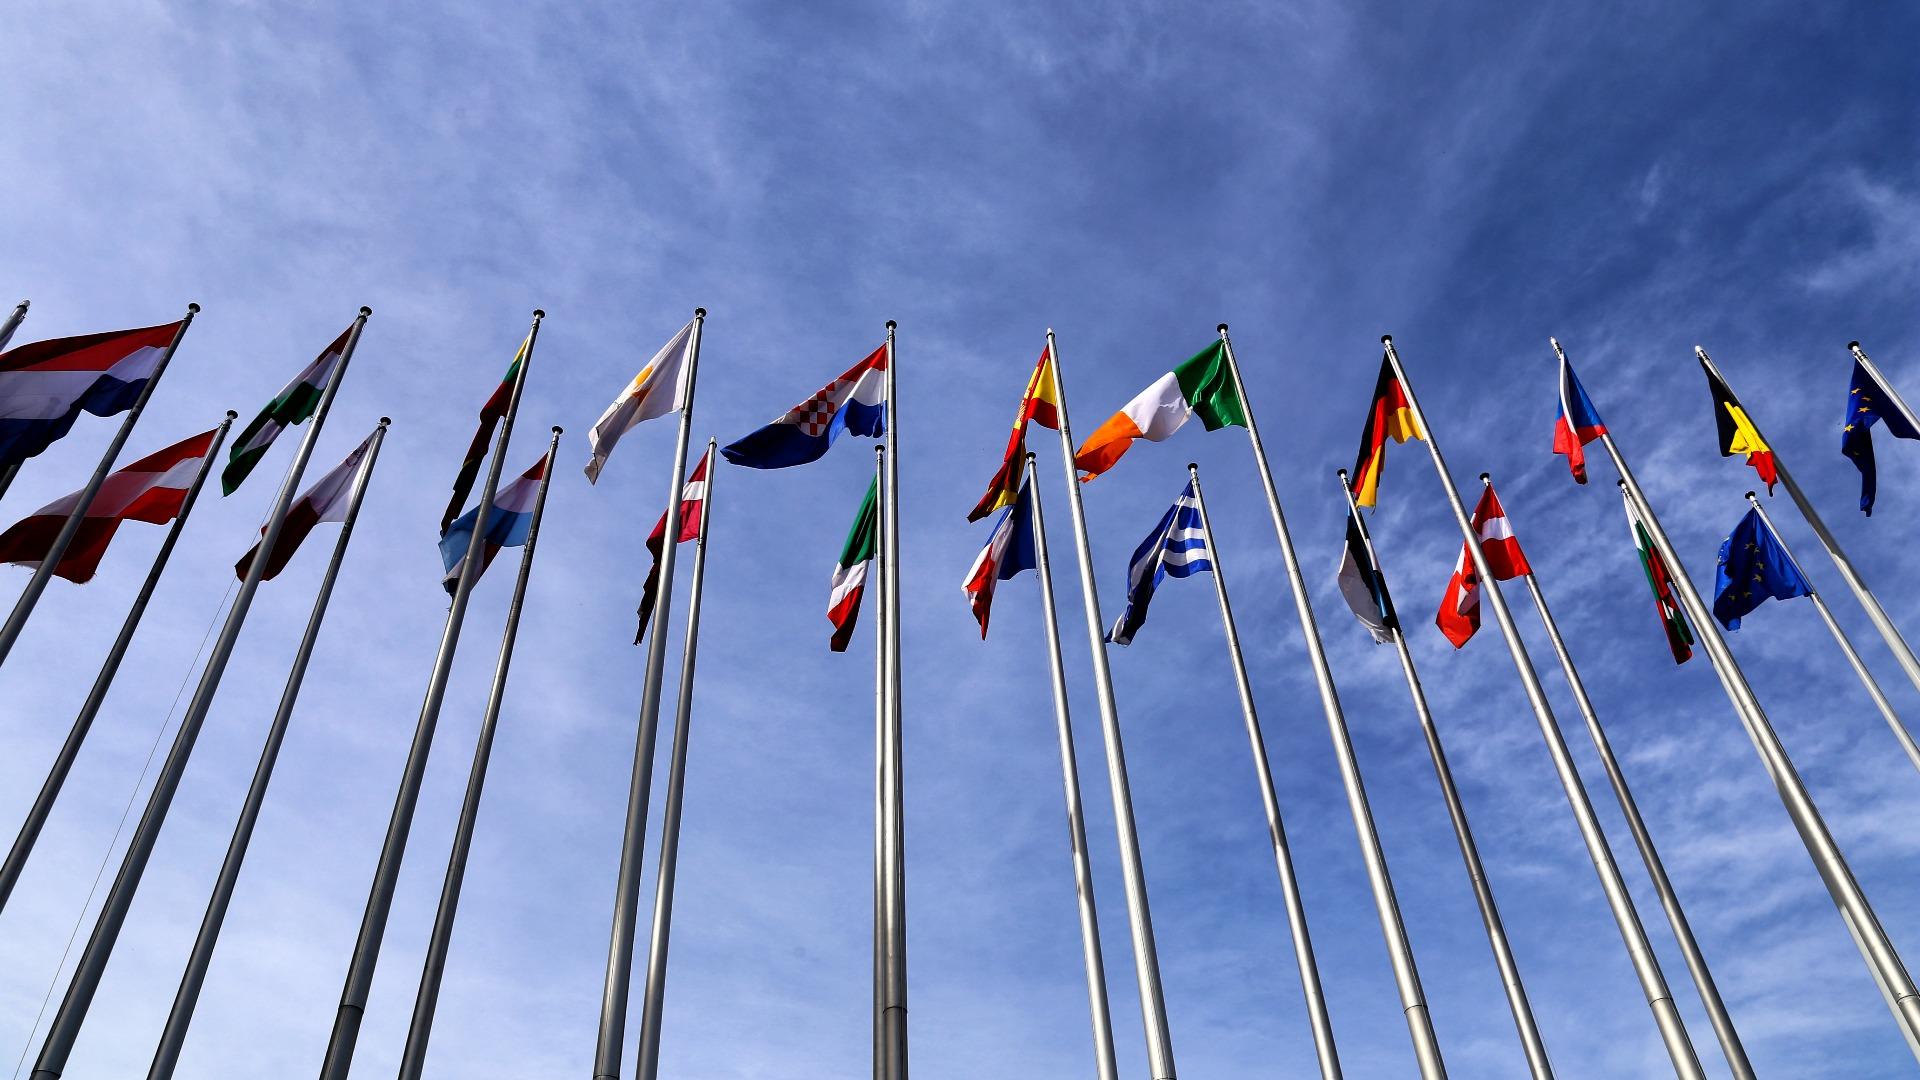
x: 1735, y: 433
x: 1389, y: 417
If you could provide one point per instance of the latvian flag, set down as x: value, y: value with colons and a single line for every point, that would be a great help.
x: 856, y: 402
x: 325, y: 501
x: 45, y: 385
x: 1459, y: 613
x: 1009, y: 551
x: 1577, y: 423
x: 1039, y: 405
x: 850, y: 573
x: 1660, y: 580
x: 152, y: 489
x: 295, y: 402
x: 693, y: 506
x: 507, y: 525
x: 1177, y: 546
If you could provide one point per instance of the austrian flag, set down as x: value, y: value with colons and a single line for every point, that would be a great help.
x: 1459, y: 615
x: 153, y: 490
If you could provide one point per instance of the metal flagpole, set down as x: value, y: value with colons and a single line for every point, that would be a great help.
x: 626, y: 900
x: 1406, y: 975
x: 1877, y: 614
x: 653, y: 1000
x: 881, y: 715
x: 413, y: 1057
x: 23, y: 607
x: 174, y: 1035
x: 77, y: 734
x: 1103, y: 1059
x: 894, y: 1017
x: 11, y: 469
x: 1853, y: 347
x: 1646, y: 967
x: 1696, y: 960
x: 1146, y: 958
x: 65, y: 1028
x: 1853, y: 656
x: 1531, y: 1042
x: 1316, y: 1001
x: 393, y: 847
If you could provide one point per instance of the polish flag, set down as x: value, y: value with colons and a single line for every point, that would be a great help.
x: 1459, y: 615
x: 152, y: 489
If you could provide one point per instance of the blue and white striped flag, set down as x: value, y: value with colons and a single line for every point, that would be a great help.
x: 1177, y: 546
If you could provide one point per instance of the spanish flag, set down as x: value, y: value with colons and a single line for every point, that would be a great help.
x: 1736, y: 433
x: 1389, y: 417
x: 1039, y: 405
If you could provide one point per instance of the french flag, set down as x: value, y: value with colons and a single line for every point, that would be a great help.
x: 1577, y: 423
x: 152, y: 489
x: 44, y: 385
x: 856, y: 402
x: 507, y: 525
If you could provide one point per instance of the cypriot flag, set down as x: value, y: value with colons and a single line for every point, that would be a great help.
x: 656, y: 391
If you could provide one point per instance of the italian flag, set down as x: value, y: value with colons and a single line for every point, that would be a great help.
x: 1203, y: 387
x: 1679, y: 635
x: 850, y: 576
x: 291, y: 406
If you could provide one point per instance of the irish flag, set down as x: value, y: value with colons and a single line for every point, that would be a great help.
x: 850, y: 574
x: 291, y: 406
x: 45, y: 385
x: 507, y: 525
x: 325, y: 501
x: 1200, y: 387
x: 152, y: 489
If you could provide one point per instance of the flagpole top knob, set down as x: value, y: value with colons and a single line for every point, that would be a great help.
x: 1751, y: 497
x: 891, y: 325
x: 556, y: 429
x: 1700, y: 351
x: 699, y: 313
x: 1193, y: 467
x: 1222, y: 328
x: 385, y: 420
x: 25, y: 304
x: 1342, y: 474
x: 1486, y: 478
x: 365, y: 311
x: 539, y: 313
x: 1386, y: 339
x: 231, y: 415
x: 1851, y: 345
x: 1029, y: 456
x: 1621, y: 484
x: 192, y: 308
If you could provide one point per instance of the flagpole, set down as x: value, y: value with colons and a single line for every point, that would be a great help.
x: 393, y: 847
x: 653, y: 1001
x: 13, y: 323
x: 23, y: 607
x: 895, y: 1015
x: 1323, y: 1045
x: 1859, y: 354
x: 626, y: 902
x: 1105, y: 1067
x: 1531, y: 1042
x: 1146, y: 958
x: 1690, y: 952
x: 82, y: 724
x: 65, y: 1028
x: 1673, y: 1032
x: 880, y: 716
x: 174, y: 1035
x: 413, y: 1056
x: 1406, y: 975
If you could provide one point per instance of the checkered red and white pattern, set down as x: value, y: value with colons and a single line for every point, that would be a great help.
x: 865, y: 381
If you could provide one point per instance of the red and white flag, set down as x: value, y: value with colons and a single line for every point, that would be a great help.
x: 326, y: 500
x: 693, y: 504
x: 152, y: 490
x: 1459, y: 613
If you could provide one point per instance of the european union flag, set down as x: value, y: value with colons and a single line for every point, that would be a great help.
x: 1753, y: 568
x: 1856, y: 433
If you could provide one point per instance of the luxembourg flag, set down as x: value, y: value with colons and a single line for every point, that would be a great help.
x: 44, y: 385
x: 1459, y: 615
x: 856, y: 402
x: 1576, y: 424
x: 152, y: 490
x: 507, y: 525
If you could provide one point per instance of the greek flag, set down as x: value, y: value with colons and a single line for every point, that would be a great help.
x: 1177, y: 546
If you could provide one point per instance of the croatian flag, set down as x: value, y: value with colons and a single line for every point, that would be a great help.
x: 44, y: 385
x: 1577, y: 423
x: 507, y: 525
x: 856, y: 402
x: 153, y: 490
x: 1177, y: 546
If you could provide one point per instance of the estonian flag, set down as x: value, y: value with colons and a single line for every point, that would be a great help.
x: 1753, y: 569
x: 1177, y: 546
x: 1856, y: 433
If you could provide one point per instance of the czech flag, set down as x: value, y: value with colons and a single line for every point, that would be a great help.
x: 856, y: 402
x: 1577, y: 424
x: 45, y: 385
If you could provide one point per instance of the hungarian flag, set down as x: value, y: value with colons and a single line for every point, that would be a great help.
x: 1735, y: 433
x: 693, y: 506
x: 46, y: 385
x: 1672, y: 619
x: 1389, y: 417
x: 152, y: 490
x: 850, y: 573
x: 856, y: 402
x: 658, y: 390
x: 326, y: 500
x: 490, y: 414
x: 507, y: 525
x: 1202, y: 386
x: 1009, y: 550
x: 1459, y: 615
x: 295, y: 402
x: 1364, y: 587
x: 1867, y: 404
x: 1577, y: 424
x: 1039, y: 405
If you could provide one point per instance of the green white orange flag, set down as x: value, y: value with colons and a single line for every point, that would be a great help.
x: 850, y: 574
x: 295, y: 402
x: 1202, y: 386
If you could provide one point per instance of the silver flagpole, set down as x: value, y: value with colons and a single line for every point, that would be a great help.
x: 413, y: 1057
x: 653, y: 1001
x: 1853, y: 656
x: 174, y: 1035
x: 1406, y: 975
x: 65, y: 1028
x: 77, y: 734
x: 1877, y: 614
x: 23, y: 607
x: 1103, y: 1059
x: 626, y: 901
x: 393, y: 847
x: 1146, y: 958
x: 1316, y: 1001
x: 881, y: 715
x: 1531, y: 1042
x: 12, y: 469
x: 1646, y: 967
x: 894, y: 1027
x: 1853, y: 347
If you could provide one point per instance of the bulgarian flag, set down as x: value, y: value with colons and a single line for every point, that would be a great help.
x: 153, y: 490
x: 850, y: 574
x: 1660, y: 580
x: 291, y: 406
x: 326, y: 500
x: 1203, y: 387
x: 490, y: 414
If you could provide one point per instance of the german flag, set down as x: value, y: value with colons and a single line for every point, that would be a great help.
x: 1389, y: 417
x: 1736, y: 434
x: 1039, y: 405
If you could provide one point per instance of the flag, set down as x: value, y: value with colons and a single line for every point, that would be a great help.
x: 658, y: 390
x: 45, y: 385
x: 1577, y: 423
x: 1040, y: 405
x: 1660, y: 580
x: 325, y: 501
x: 1735, y: 433
x: 1754, y: 568
x: 1177, y: 546
x: 693, y: 503
x: 1202, y: 386
x: 1009, y: 550
x: 490, y: 414
x: 850, y: 573
x: 1459, y: 615
x: 856, y: 402
x: 1365, y: 587
x: 507, y: 525
x: 1856, y: 435
x: 152, y: 490
x: 295, y: 402
x: 1389, y: 417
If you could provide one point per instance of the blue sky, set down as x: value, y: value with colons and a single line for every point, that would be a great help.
x: 1633, y: 178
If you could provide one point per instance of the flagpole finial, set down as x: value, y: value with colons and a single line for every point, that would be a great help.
x: 231, y: 415
x: 192, y: 308
x: 1386, y: 339
x: 699, y: 313
x: 1851, y: 345
x: 1222, y: 328
x: 1342, y: 474
x: 891, y: 325
x: 1700, y: 352
x: 1622, y: 484
x: 1487, y: 479
x: 365, y: 311
x: 539, y: 313
x: 1752, y: 498
x: 1553, y: 341
x: 556, y: 429
x: 1193, y: 466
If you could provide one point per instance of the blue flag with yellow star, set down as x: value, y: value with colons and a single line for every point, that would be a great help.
x: 1753, y: 569
x: 1864, y: 403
